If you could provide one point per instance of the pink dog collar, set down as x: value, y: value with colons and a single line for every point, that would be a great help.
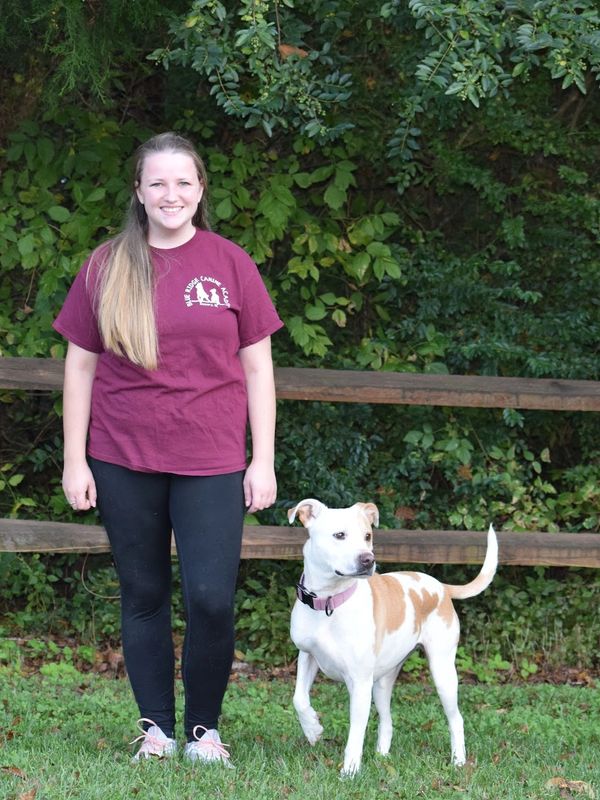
x: 326, y: 604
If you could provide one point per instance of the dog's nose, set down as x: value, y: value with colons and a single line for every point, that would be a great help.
x: 366, y: 560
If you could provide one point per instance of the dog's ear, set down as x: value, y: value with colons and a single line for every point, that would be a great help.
x: 371, y: 512
x: 306, y: 510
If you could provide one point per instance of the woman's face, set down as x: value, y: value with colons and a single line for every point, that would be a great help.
x: 170, y: 190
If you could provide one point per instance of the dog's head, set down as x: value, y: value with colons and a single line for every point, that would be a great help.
x: 340, y: 539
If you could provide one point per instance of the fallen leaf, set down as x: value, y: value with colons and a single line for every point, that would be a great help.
x: 14, y: 771
x: 30, y: 795
x: 115, y: 660
x: 573, y: 787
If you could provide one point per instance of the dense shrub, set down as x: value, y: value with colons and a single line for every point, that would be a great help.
x: 413, y: 206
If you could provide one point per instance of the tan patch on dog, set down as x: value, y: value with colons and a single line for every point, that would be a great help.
x: 389, y: 606
x: 446, y: 609
x: 304, y: 513
x: 416, y: 576
x: 371, y: 512
x: 423, y: 604
x: 426, y: 603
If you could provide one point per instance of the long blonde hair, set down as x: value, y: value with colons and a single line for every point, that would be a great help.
x: 125, y: 289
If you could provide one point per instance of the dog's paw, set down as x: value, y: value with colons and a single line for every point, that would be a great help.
x: 311, y: 726
x: 314, y: 734
x: 350, y: 768
x: 384, y: 741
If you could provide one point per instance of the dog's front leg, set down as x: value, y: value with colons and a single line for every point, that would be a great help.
x: 360, y: 707
x: 306, y: 673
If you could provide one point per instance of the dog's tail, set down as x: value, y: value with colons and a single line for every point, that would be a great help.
x: 488, y: 570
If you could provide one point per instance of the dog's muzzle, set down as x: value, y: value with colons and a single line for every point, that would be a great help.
x: 365, y: 563
x: 365, y: 567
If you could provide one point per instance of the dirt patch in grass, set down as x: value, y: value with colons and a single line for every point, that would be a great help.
x: 108, y: 660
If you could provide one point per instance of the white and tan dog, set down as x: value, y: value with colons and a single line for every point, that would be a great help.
x: 361, y: 631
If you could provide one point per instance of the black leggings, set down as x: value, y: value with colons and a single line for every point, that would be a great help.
x: 206, y: 513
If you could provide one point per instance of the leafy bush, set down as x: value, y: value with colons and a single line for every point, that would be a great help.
x: 398, y: 229
x: 264, y: 600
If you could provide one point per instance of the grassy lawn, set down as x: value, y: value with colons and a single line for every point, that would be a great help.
x: 65, y: 735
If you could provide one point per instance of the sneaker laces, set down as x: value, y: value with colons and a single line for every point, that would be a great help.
x: 211, y: 748
x: 152, y: 744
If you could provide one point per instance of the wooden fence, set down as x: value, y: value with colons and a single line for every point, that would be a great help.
x: 401, y: 546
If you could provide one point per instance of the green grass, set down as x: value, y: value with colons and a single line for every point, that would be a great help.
x: 64, y: 735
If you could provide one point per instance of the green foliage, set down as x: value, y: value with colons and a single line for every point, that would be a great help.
x: 287, y: 65
x: 435, y: 468
x: 478, y: 49
x: 356, y: 281
x: 58, y: 594
x: 264, y: 600
x: 254, y: 60
x: 534, y: 619
x: 63, y: 189
x: 84, y: 48
x: 397, y: 229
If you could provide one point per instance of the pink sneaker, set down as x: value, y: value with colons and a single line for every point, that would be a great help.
x: 154, y: 742
x: 208, y: 748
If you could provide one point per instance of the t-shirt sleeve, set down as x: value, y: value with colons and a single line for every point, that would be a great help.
x: 77, y: 321
x: 257, y: 317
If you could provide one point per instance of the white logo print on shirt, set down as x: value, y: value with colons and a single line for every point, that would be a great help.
x: 206, y: 291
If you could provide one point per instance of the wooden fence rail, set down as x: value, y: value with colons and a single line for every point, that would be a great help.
x: 399, y: 546
x: 279, y: 542
x: 348, y: 386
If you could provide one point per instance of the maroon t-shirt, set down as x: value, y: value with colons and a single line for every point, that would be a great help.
x: 189, y: 415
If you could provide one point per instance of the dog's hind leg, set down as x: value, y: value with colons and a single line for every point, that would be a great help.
x: 382, y: 695
x: 305, y: 675
x: 443, y: 672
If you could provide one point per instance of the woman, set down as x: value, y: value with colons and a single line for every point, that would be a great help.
x: 169, y: 354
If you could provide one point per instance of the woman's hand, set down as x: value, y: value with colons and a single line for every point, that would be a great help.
x: 260, y: 486
x: 79, y: 486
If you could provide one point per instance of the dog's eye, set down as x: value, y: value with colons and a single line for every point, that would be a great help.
x: 339, y: 535
x: 368, y: 537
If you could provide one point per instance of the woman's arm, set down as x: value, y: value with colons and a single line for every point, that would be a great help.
x: 260, y: 485
x: 78, y: 481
